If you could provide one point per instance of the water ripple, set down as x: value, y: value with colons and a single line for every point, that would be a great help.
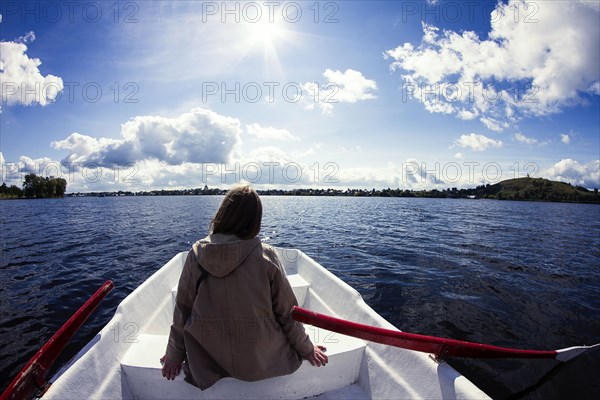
x: 509, y: 273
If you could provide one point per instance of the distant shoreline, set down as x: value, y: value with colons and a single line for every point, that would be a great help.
x: 519, y: 189
x: 337, y: 195
x: 291, y: 194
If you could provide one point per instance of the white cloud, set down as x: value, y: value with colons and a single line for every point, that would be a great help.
x: 42, y: 166
x: 519, y: 137
x: 477, y: 142
x: 27, y: 38
x: 271, y: 167
x: 459, y: 155
x: 267, y: 153
x: 467, y: 115
x: 270, y: 133
x: 421, y: 175
x: 538, y: 59
x: 197, y: 136
x: 574, y: 172
x: 493, y: 124
x: 263, y: 167
x: 341, y: 87
x: 566, y: 139
x: 410, y: 174
x: 22, y: 81
x: 352, y: 85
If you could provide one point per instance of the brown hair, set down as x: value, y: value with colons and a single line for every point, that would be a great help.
x: 240, y: 213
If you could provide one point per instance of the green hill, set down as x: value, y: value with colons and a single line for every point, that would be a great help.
x: 537, y: 189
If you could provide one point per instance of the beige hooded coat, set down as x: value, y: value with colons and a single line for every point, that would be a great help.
x: 239, y: 322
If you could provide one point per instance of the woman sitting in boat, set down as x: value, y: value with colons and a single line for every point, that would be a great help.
x: 233, y: 307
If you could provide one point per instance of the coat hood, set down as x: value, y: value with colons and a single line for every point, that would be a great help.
x: 220, y: 254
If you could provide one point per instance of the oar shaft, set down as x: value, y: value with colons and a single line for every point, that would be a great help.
x: 428, y: 344
x: 33, y: 376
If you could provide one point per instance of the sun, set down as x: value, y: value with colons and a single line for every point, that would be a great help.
x: 268, y: 39
x: 266, y: 33
x: 271, y: 39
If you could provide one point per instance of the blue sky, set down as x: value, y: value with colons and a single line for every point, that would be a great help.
x: 140, y: 95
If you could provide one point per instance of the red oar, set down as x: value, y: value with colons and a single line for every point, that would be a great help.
x: 32, y: 377
x: 428, y: 344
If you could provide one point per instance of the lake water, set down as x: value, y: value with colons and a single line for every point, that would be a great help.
x: 516, y: 274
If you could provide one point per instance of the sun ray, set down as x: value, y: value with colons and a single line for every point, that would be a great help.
x: 266, y: 37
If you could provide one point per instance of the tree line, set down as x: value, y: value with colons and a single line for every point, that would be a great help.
x: 531, y: 189
x: 35, y: 187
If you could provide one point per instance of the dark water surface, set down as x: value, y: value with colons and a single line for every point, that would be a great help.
x: 516, y: 274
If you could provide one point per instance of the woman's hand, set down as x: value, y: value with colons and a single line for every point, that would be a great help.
x: 170, y: 368
x: 317, y: 357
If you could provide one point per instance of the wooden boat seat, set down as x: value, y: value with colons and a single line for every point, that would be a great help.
x: 141, y: 368
x: 142, y: 372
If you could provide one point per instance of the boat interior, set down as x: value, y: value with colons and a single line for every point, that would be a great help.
x: 130, y: 367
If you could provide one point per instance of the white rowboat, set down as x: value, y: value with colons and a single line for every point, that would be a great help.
x: 122, y: 361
